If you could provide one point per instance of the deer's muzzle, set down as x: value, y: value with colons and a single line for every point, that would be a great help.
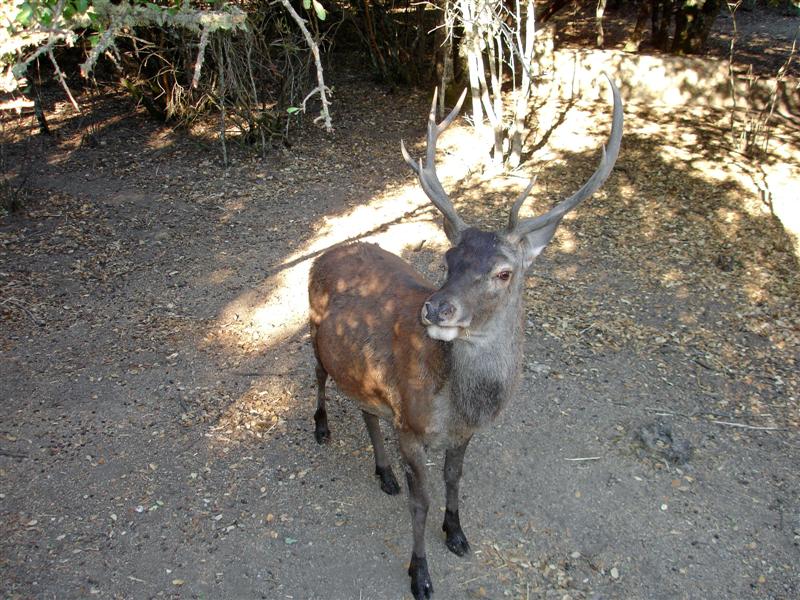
x: 443, y: 318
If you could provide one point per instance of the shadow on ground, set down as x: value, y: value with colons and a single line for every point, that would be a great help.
x: 158, y: 383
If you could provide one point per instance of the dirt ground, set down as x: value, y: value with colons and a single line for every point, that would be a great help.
x: 156, y: 438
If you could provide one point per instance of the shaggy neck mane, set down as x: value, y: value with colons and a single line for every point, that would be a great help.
x: 485, y: 368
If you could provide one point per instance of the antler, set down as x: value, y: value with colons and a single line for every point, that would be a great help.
x: 520, y: 228
x: 427, y: 172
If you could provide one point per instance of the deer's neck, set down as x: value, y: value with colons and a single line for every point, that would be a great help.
x: 485, y: 368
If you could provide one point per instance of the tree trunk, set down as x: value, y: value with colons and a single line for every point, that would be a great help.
x: 692, y: 25
x: 662, y: 19
x: 32, y: 93
x: 524, y: 91
x: 643, y: 16
x: 442, y: 63
x: 552, y: 8
x: 474, y: 63
x: 598, y: 17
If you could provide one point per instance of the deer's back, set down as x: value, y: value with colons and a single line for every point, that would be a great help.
x: 365, y: 304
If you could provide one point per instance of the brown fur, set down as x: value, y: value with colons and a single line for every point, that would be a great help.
x: 367, y: 334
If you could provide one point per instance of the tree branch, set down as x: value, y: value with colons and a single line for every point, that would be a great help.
x: 323, y: 90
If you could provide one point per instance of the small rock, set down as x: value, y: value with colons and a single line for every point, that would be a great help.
x: 614, y: 573
x: 539, y: 369
x: 657, y: 437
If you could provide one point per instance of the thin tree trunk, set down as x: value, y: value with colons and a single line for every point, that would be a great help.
x: 693, y: 24
x: 38, y: 111
x: 598, y: 18
x: 661, y: 19
x: 524, y: 91
x: 474, y: 63
x: 495, y: 95
x: 643, y: 16
x: 222, y: 120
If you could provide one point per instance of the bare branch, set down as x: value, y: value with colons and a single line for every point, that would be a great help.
x: 323, y: 90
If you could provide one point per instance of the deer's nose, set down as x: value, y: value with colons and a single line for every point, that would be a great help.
x: 435, y: 313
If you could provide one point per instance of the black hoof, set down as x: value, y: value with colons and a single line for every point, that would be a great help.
x: 388, y: 482
x: 321, y: 431
x: 455, y: 541
x: 421, y: 586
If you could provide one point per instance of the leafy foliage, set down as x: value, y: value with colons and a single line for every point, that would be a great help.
x: 176, y: 58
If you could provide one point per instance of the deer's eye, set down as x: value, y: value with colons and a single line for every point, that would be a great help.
x: 504, y: 275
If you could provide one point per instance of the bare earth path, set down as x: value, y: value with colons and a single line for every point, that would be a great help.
x: 157, y: 384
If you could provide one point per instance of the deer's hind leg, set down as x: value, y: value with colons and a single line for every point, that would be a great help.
x: 321, y: 431
x: 382, y: 467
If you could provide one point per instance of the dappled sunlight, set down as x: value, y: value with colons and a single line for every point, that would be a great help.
x: 688, y: 102
x: 232, y: 207
x: 399, y: 219
x: 677, y: 213
x: 671, y: 278
x: 567, y: 273
x: 220, y: 276
x: 566, y: 241
x: 261, y: 411
x: 160, y: 139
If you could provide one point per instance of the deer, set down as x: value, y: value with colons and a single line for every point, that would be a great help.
x: 439, y: 364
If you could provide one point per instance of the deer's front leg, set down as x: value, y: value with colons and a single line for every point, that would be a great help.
x: 456, y: 541
x: 413, y: 453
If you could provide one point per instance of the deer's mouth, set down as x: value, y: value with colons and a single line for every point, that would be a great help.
x: 445, y: 334
x: 444, y: 319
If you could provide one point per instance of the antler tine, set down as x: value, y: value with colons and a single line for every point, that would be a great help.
x: 595, y: 181
x: 426, y: 172
x: 514, y: 215
x: 407, y: 157
x: 435, y: 130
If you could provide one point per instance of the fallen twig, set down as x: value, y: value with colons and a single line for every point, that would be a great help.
x: 11, y: 454
x: 21, y: 305
x: 743, y: 426
x: 585, y: 458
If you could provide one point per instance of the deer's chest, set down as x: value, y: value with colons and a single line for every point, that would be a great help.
x: 445, y: 428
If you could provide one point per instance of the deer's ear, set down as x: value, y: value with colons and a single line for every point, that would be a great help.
x: 534, y: 242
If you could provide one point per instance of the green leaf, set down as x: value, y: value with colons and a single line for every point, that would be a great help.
x: 82, y: 5
x: 46, y: 16
x: 292, y: 109
x: 306, y: 4
x: 25, y: 14
x: 320, y: 10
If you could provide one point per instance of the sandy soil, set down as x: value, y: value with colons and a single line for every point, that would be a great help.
x: 156, y: 438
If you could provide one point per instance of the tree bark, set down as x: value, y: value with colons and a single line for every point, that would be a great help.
x: 598, y: 18
x: 662, y: 20
x: 692, y: 25
x: 524, y: 91
x: 643, y: 16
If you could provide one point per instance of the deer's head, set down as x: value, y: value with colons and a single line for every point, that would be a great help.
x: 486, y: 269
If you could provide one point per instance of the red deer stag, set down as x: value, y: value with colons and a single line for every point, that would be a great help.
x: 438, y: 363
